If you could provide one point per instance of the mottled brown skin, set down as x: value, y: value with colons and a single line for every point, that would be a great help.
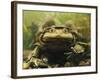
x: 58, y: 46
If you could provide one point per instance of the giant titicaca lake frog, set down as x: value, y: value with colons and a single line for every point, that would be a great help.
x: 58, y: 46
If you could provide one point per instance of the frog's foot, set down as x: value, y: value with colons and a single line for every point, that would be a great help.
x: 86, y: 62
x: 37, y: 63
x: 26, y: 65
x: 68, y: 64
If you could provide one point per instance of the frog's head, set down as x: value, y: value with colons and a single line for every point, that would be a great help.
x: 57, y: 34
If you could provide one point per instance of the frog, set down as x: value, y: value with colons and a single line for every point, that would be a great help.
x: 58, y: 46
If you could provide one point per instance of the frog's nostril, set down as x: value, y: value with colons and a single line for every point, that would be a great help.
x: 65, y: 30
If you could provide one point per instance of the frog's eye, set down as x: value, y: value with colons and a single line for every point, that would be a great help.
x: 51, y: 30
x: 65, y: 30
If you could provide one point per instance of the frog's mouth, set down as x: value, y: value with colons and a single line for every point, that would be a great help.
x: 57, y: 38
x: 58, y: 42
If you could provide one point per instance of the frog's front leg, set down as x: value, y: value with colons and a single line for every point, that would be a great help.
x: 34, y: 60
x: 80, y: 52
x: 31, y: 58
x: 34, y: 53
